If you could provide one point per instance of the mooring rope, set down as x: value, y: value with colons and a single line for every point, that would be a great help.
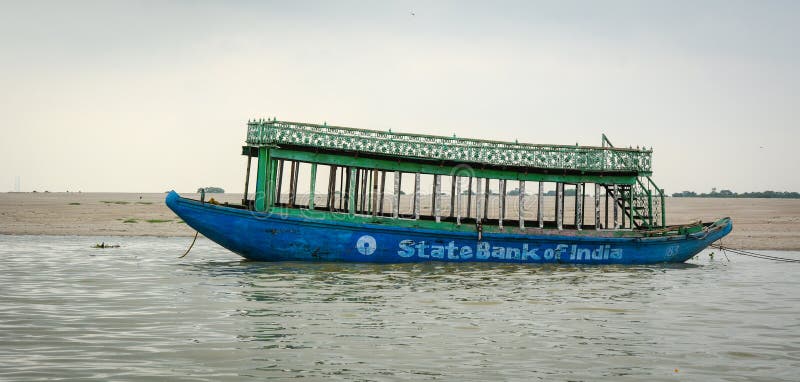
x: 190, y: 246
x: 753, y: 254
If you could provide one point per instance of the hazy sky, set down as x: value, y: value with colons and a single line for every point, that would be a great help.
x: 152, y: 96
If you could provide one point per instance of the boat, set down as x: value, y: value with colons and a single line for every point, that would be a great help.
x: 373, y: 208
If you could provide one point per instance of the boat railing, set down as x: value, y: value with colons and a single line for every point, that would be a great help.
x: 561, y: 157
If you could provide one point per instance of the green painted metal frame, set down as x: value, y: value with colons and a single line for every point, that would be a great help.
x: 262, y: 179
x: 425, y: 224
x: 439, y: 148
x: 434, y: 169
x: 265, y: 135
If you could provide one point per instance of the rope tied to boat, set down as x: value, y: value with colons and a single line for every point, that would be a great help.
x: 191, y: 245
x: 753, y: 254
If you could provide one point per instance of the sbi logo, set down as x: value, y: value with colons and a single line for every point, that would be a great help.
x: 366, y: 245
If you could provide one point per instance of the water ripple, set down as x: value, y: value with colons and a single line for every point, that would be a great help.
x: 138, y: 313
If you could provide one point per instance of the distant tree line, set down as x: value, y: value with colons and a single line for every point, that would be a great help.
x: 211, y: 190
x: 730, y: 194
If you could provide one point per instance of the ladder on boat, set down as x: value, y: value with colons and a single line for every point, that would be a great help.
x: 642, y: 203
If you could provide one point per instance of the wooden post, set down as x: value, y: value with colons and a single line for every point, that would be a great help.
x: 663, y: 209
x: 247, y: 179
x: 452, y: 196
x: 293, y: 183
x: 437, y: 193
x: 630, y: 197
x: 280, y: 182
x: 606, y: 210
x: 348, y: 177
x: 583, y: 204
x: 540, y: 207
x: 521, y: 204
x: 560, y: 205
x: 434, y: 197
x: 396, y: 205
x: 357, y: 184
x: 264, y: 185
x: 292, y: 164
x: 469, y: 198
x: 457, y: 181
x: 375, y: 193
x: 270, y: 194
x: 383, y: 189
x: 502, y: 214
x: 416, y: 196
x: 331, y: 202
x: 596, y: 206
x: 478, y: 200
x: 363, y: 193
x: 344, y: 174
x: 578, y: 206
x: 614, y: 203
x: 622, y: 208
x: 311, y: 194
x: 351, y: 192
x: 486, y: 201
x: 399, y: 190
x: 367, y: 191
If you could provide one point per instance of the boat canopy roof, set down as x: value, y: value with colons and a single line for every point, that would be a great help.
x: 400, y: 146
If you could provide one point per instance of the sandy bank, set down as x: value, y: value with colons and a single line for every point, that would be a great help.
x: 758, y: 223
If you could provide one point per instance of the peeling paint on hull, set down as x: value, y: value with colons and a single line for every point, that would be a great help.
x: 264, y: 237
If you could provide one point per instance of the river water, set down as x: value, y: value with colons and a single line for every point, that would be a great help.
x: 139, y: 313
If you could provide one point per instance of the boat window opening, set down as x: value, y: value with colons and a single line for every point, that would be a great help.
x: 567, y: 205
x: 364, y: 180
x: 350, y: 190
x: 294, y: 169
x: 453, y: 179
x: 357, y: 180
x: 540, y: 205
x: 502, y: 202
x: 382, y: 194
x: 597, y: 206
x: 321, y: 178
x: 416, y: 195
x: 369, y: 191
x: 435, y: 193
x: 453, y: 199
x: 446, y: 198
x: 246, y: 192
x: 279, y: 182
x: 424, y: 196
x: 338, y: 193
x: 488, y: 206
x: 344, y: 188
x: 312, y: 187
x: 521, y: 204
x: 580, y: 205
x: 395, y: 203
x: 469, y: 197
x: 406, y: 197
x: 559, y: 208
x: 330, y: 197
x: 377, y: 194
x: 457, y: 199
x: 288, y: 186
x: 478, y: 200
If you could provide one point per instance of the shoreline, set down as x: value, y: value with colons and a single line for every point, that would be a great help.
x: 758, y: 224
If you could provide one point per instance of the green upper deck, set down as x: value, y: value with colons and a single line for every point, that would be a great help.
x: 451, y: 149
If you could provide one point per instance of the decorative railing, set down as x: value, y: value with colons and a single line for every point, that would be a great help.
x: 560, y: 157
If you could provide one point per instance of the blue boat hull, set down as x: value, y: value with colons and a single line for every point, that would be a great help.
x: 263, y: 237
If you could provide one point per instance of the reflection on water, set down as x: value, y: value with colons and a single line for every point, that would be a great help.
x: 138, y: 312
